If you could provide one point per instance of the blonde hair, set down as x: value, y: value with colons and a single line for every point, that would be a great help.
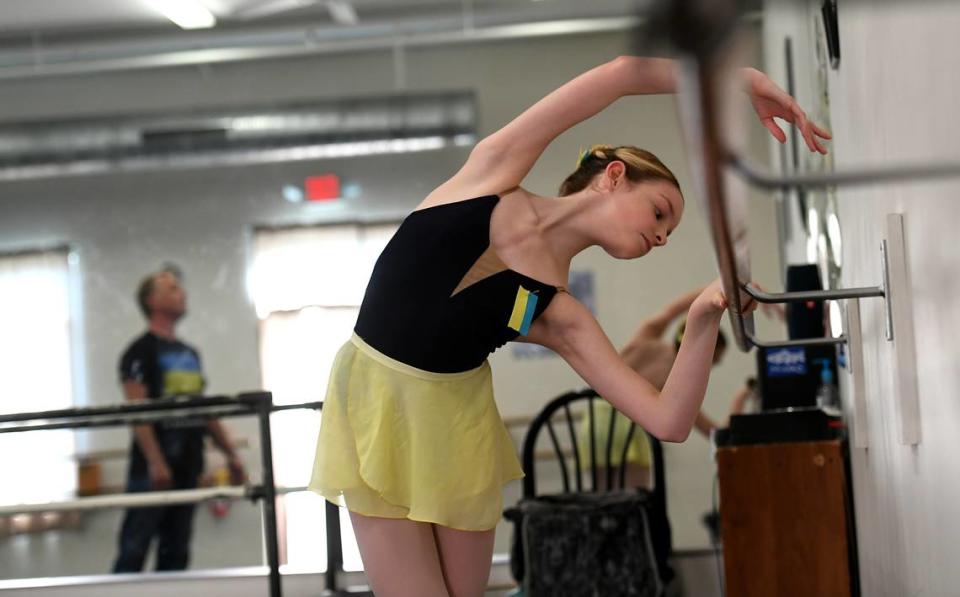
x: 641, y: 166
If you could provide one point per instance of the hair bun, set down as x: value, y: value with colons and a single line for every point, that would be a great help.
x: 601, y: 151
x: 641, y: 165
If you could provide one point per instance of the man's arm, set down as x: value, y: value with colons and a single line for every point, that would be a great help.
x: 221, y: 438
x: 160, y: 475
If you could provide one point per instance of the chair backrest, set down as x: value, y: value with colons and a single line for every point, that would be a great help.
x: 563, y: 403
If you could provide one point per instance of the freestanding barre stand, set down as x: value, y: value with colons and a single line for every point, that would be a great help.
x: 259, y: 404
x: 262, y: 404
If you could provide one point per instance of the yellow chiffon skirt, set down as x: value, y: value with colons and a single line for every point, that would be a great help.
x: 399, y: 442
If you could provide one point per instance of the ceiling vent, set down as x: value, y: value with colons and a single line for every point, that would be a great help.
x: 236, y: 136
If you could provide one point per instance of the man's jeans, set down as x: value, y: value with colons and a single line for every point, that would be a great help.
x: 171, y: 525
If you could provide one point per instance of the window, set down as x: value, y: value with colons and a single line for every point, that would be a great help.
x: 36, y: 365
x: 307, y: 285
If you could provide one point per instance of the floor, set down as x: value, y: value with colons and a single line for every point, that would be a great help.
x: 90, y: 548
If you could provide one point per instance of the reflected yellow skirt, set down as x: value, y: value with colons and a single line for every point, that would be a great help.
x: 638, y: 452
x: 400, y: 442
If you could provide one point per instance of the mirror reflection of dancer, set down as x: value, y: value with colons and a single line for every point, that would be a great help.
x: 651, y: 354
x: 410, y: 437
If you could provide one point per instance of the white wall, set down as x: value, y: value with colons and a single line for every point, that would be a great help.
x: 893, y: 100
x: 125, y: 225
x: 893, y: 105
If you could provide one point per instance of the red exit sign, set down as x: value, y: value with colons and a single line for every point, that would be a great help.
x: 325, y: 187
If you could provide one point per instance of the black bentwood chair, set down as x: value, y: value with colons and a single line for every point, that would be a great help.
x: 607, y: 539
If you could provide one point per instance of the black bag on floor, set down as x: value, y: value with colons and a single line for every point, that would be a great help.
x: 584, y: 545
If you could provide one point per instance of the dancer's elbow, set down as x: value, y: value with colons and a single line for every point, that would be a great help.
x: 673, y: 432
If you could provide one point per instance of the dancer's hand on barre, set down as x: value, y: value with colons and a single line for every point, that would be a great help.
x: 712, y: 298
x: 772, y: 102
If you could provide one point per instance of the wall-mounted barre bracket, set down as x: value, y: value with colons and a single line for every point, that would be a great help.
x: 811, y: 295
x: 766, y: 180
x: 790, y: 343
x: 823, y: 295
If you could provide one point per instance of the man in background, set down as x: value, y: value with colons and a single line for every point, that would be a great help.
x: 167, y: 454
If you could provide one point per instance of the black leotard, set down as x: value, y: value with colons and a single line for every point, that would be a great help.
x: 408, y: 312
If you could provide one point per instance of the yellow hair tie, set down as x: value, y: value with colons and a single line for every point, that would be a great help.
x: 584, y: 154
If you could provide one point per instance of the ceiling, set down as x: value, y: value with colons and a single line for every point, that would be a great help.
x: 55, y: 37
x: 59, y: 17
x: 42, y: 38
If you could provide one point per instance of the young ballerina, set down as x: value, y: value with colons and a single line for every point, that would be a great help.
x: 411, y: 439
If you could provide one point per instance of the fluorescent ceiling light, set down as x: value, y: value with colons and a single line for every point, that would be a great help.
x: 187, y: 14
x: 342, y: 12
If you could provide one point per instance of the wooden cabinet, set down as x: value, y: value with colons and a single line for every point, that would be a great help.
x: 784, y: 519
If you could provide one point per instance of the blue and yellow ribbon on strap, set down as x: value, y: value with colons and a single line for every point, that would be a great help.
x: 523, y: 307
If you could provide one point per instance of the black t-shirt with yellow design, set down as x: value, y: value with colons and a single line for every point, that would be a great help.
x: 166, y: 368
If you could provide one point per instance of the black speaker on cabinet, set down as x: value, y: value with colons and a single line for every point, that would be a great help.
x: 789, y: 377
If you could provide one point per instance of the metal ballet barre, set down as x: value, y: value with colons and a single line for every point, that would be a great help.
x: 259, y: 404
x: 153, y: 498
x: 898, y: 173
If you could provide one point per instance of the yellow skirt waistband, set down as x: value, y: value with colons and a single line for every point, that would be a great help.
x: 396, y: 365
